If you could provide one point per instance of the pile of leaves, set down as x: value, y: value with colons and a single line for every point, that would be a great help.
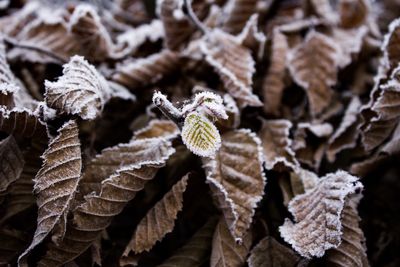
x: 199, y: 133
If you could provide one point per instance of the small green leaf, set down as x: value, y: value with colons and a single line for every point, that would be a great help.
x: 200, y: 135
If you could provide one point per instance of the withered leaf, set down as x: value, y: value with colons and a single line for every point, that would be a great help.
x: 237, y: 180
x: 11, y: 163
x: 92, y: 216
x: 12, y: 242
x: 159, y: 220
x: 252, y: 38
x: 158, y: 129
x: 323, y: 9
x: 273, y: 84
x: 317, y: 214
x: 277, y: 144
x: 194, y: 253
x: 390, y: 44
x: 234, y: 64
x: 226, y: 252
x: 8, y: 85
x: 146, y: 71
x: 86, y: 28
x: 353, y: 13
x: 270, y: 253
x: 55, y: 185
x: 352, y: 250
x: 81, y: 90
x: 313, y: 65
x: 236, y: 14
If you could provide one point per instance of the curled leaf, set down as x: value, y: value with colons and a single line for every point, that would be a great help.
x: 81, y: 90
x: 200, y: 135
x: 159, y: 220
x: 313, y: 65
x: 237, y: 180
x: 55, y: 185
x: 317, y: 214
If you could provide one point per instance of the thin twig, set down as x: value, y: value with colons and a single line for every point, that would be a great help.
x: 14, y: 43
x: 192, y: 16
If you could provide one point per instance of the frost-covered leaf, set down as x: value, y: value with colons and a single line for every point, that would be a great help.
x: 234, y: 64
x: 233, y: 112
x: 347, y: 133
x: 226, y: 252
x: 178, y: 28
x: 159, y: 220
x: 97, y: 210
x: 273, y: 84
x: 313, y: 65
x: 237, y: 180
x: 270, y: 253
x: 208, y: 104
x: 86, y: 28
x: 317, y: 214
x: 158, y: 128
x: 81, y: 90
x: 252, y: 38
x: 236, y: 13
x: 146, y: 71
x: 8, y: 86
x: 200, y: 135
x: 352, y: 250
x: 323, y: 9
x: 55, y: 185
x: 11, y: 163
x: 196, y: 251
x: 353, y: 13
x: 277, y: 144
x: 391, y: 43
x: 386, y: 113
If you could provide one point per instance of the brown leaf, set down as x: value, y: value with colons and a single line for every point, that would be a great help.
x: 158, y: 129
x: 347, y: 133
x: 234, y: 64
x: 178, y: 28
x: 273, y: 84
x: 237, y: 180
x: 323, y: 9
x: 159, y: 221
x: 55, y: 185
x: 252, y: 38
x: 352, y: 250
x: 146, y: 71
x: 317, y: 213
x: 225, y: 251
x: 277, y: 144
x: 270, y: 253
x: 353, y: 13
x: 8, y: 86
x: 86, y: 28
x: 12, y: 242
x: 313, y: 65
x: 390, y: 45
x: 196, y: 251
x: 81, y: 90
x: 11, y: 163
x: 98, y: 209
x: 236, y: 14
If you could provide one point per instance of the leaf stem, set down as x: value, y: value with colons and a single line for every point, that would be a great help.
x: 166, y: 107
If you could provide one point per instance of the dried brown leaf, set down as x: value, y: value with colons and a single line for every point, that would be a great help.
x: 323, y: 9
x: 252, y: 38
x: 158, y: 128
x: 313, y: 65
x: 97, y: 210
x: 55, y: 185
x: 234, y: 64
x: 236, y: 14
x: 237, y: 180
x: 353, y: 13
x: 270, y: 253
x: 317, y: 214
x: 12, y: 242
x: 81, y: 90
x: 11, y: 163
x: 8, y: 86
x: 196, y: 251
x: 273, y: 84
x: 146, y: 71
x: 277, y: 144
x: 390, y: 45
x: 347, y: 133
x: 226, y: 252
x: 159, y: 220
x: 352, y: 250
